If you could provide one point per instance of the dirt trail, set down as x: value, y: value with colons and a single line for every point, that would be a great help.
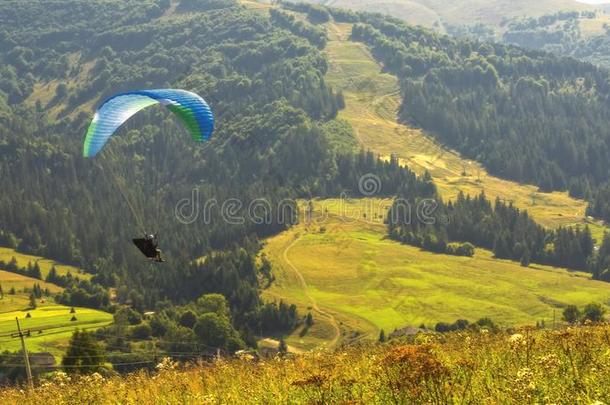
x: 275, y: 342
x: 373, y: 99
x: 333, y: 322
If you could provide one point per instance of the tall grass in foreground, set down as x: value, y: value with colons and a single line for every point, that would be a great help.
x: 566, y: 366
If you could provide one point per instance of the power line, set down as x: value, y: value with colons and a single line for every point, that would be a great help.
x: 126, y: 354
x: 26, y: 359
x: 79, y: 365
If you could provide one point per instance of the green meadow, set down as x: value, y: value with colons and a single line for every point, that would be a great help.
x: 372, y: 101
x: 53, y: 320
x: 6, y: 255
x: 50, y: 326
x: 345, y: 270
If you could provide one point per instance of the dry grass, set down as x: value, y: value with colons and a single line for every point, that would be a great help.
x: 563, y: 366
x: 372, y: 101
x: 343, y: 269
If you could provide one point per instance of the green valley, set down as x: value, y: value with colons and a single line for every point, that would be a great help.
x: 393, y: 285
x: 329, y: 201
x: 344, y: 269
x: 50, y: 325
x: 436, y: 13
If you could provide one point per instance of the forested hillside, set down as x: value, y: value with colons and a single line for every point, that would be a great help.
x: 266, y: 87
x: 264, y: 70
x: 528, y: 116
x: 442, y: 14
x: 471, y: 221
x: 582, y: 35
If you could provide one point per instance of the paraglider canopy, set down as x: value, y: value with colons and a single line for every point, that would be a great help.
x: 193, y: 111
x: 189, y: 107
x: 148, y: 245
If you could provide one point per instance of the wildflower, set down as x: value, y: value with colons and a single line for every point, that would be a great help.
x: 549, y: 361
x: 166, y: 364
x: 411, y: 365
x: 243, y: 355
x: 515, y: 338
x: 61, y: 378
x: 96, y: 378
x: 524, y: 373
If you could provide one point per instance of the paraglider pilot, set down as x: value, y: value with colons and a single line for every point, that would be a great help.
x: 149, y: 246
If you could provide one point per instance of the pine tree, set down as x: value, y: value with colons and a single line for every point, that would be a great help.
x: 309, y: 320
x: 37, y: 291
x: 32, y: 301
x: 282, y: 347
x: 571, y: 314
x: 35, y: 272
x: 382, y: 336
x: 525, y: 258
x: 84, y: 354
x: 52, y: 276
x: 12, y: 265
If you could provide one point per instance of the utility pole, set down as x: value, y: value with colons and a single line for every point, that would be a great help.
x: 26, y: 358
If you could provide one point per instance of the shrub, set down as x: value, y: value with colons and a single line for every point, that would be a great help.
x: 571, y: 314
x: 593, y: 312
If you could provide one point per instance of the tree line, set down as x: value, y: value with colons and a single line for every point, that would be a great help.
x: 265, y: 83
x: 528, y: 116
x: 499, y: 226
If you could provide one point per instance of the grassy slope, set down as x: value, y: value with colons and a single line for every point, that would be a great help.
x: 20, y: 300
x: 6, y: 254
x: 55, y: 322
x: 367, y: 282
x: 595, y: 26
x: 372, y: 101
x: 47, y: 315
x: 387, y: 285
x: 555, y: 367
x: 45, y: 92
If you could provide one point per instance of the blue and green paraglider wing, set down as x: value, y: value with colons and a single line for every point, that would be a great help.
x: 192, y: 110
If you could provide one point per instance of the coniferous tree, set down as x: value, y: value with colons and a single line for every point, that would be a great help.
x: 525, y: 257
x: 571, y: 314
x: 282, y: 347
x: 593, y: 312
x: 84, y: 354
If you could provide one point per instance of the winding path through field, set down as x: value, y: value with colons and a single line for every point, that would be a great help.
x: 373, y: 100
x: 333, y: 322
